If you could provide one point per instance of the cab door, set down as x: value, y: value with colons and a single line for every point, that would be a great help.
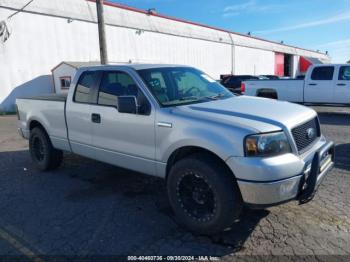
x: 123, y: 139
x: 318, y: 86
x: 79, y: 114
x: 342, y: 85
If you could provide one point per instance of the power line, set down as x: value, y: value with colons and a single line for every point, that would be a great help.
x: 20, y: 10
x: 4, y: 28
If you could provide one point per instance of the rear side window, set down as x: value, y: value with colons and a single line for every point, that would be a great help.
x: 344, y: 73
x: 115, y: 84
x: 84, y: 87
x: 322, y: 73
x: 233, y: 80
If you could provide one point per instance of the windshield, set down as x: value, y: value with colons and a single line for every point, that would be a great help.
x: 174, y: 86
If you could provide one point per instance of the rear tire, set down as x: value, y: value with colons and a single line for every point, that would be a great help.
x: 44, y: 156
x: 203, y: 194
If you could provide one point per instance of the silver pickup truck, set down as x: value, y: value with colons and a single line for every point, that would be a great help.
x: 216, y: 151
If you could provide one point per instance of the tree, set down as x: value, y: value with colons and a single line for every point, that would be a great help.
x: 348, y: 62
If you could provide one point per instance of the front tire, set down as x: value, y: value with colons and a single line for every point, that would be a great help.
x: 44, y: 156
x: 203, y: 194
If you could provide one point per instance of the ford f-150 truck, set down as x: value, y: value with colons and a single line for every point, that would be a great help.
x: 216, y: 151
x: 323, y: 84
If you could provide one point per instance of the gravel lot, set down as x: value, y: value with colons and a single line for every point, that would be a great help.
x: 90, y: 208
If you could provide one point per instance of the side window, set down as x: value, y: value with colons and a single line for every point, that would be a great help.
x: 234, y: 81
x: 344, y: 73
x: 85, y: 84
x: 115, y: 84
x: 322, y: 73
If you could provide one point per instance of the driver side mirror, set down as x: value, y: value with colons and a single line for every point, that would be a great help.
x: 127, y: 104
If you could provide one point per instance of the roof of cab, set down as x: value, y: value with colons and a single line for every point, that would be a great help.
x: 135, y: 66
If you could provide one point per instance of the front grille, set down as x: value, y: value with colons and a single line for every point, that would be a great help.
x: 302, y: 134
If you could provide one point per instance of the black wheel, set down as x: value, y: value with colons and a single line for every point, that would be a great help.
x: 42, y: 152
x: 204, y: 194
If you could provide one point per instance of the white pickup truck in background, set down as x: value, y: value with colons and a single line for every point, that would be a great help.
x: 323, y: 84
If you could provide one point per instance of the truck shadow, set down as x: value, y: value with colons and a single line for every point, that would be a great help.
x: 240, y: 231
x: 334, y: 118
x: 89, y: 208
x: 342, y: 153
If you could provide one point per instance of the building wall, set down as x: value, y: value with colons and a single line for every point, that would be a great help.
x: 49, y: 32
x: 38, y: 43
x: 150, y: 47
x: 254, y: 61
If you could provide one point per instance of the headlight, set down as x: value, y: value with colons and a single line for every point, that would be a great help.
x: 263, y: 145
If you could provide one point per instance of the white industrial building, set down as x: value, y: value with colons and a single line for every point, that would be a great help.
x: 37, y: 35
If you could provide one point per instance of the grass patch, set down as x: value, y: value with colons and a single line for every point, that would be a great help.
x: 3, y: 113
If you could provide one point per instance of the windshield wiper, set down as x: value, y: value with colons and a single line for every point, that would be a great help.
x: 216, y: 97
x: 188, y: 98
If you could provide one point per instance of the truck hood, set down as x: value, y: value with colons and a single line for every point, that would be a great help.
x: 259, y: 114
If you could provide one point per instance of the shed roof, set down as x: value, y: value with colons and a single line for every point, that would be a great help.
x: 77, y: 64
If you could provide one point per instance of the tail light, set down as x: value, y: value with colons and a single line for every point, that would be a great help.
x: 242, y: 87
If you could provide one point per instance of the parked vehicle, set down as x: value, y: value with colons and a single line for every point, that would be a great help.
x: 233, y: 82
x: 216, y: 151
x: 323, y: 84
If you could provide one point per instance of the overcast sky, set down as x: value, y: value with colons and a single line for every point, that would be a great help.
x: 312, y: 24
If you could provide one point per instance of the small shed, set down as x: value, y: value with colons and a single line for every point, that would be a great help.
x: 64, y: 73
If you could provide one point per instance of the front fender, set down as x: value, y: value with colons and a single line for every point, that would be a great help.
x: 222, y: 145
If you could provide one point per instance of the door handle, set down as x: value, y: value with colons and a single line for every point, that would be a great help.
x: 165, y: 124
x: 96, y: 118
x: 312, y: 84
x: 341, y: 84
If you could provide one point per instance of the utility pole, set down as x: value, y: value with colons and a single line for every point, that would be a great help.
x: 101, y: 32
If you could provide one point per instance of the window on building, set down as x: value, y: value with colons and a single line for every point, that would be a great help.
x: 344, y: 73
x: 115, y: 84
x: 65, y: 82
x: 83, y: 90
x: 323, y: 73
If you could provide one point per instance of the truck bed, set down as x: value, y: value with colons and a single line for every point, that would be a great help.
x: 49, y: 111
x: 287, y: 89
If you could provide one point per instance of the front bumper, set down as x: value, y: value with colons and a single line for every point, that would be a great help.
x: 299, y: 186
